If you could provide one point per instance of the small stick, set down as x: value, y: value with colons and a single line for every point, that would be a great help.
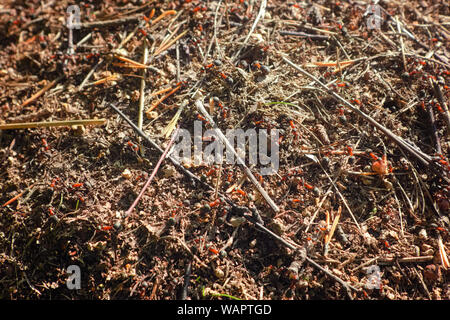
x: 28, y: 117
x: 443, y: 254
x: 68, y: 123
x: 177, y: 52
x: 187, y: 277
x: 399, y: 215
x: 162, y: 15
x: 161, y: 91
x: 433, y: 129
x: 154, y: 289
x: 439, y: 95
x: 333, y: 228
x: 317, y: 210
x: 402, y: 45
x: 330, y: 64
x: 214, y: 37
x: 157, y: 103
x: 422, y: 157
x: 142, y: 88
x: 13, y: 199
x: 89, y: 75
x: 40, y: 92
x: 128, y: 61
x: 230, y: 147
x: 423, y: 283
x: 344, y: 284
x: 167, y: 131
x: 343, y: 199
x: 262, y: 10
x: 304, y: 35
x: 17, y: 196
x: 405, y: 260
x: 107, y: 23
x: 169, y: 44
x: 155, y: 170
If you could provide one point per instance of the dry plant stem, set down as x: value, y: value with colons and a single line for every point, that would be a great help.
x: 422, y: 157
x: 177, y: 52
x: 201, y: 108
x: 440, y: 97
x: 155, y: 170
x: 400, y: 216
x: 157, y: 103
x: 162, y: 15
x: 170, y: 43
x: 434, y: 130
x: 343, y: 198
x: 214, y: 37
x: 419, y: 276
x: 187, y: 277
x: 13, y: 199
x: 40, y: 92
x: 405, y: 260
x: 142, y: 88
x: 411, y: 36
x: 154, y: 145
x: 443, y: 254
x: 89, y: 75
x: 317, y: 210
x: 69, y: 123
x: 402, y: 45
x: 262, y: 10
x: 108, y: 23
x: 344, y: 284
x: 303, y: 35
x: 154, y: 289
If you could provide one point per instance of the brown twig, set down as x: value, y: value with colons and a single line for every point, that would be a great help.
x: 40, y: 92
x: 155, y: 170
x: 109, y: 23
x: 167, y: 45
x: 142, y: 87
x: 440, y: 97
x: 187, y: 278
x: 433, y: 129
x: 304, y: 35
x: 405, y: 260
x: 17, y: 196
x: 158, y: 102
x: 68, y: 123
x: 201, y: 108
x: 422, y: 157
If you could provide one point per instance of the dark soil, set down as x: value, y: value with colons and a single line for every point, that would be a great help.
x: 72, y: 184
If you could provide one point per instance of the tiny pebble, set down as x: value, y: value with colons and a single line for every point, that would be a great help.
x: 126, y: 174
x: 219, y: 273
x: 423, y: 234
